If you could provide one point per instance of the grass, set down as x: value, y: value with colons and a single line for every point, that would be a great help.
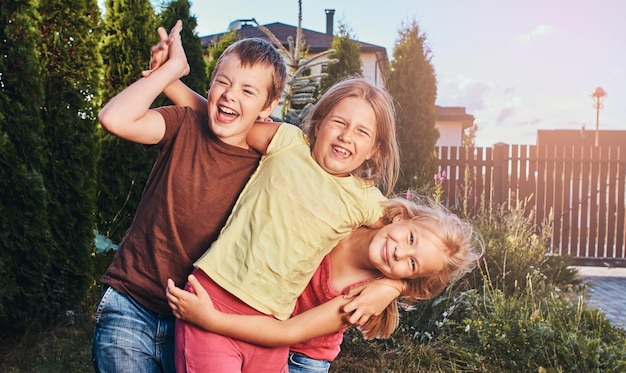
x: 65, y: 347
x: 62, y: 348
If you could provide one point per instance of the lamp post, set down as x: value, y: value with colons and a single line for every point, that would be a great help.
x: 598, y: 95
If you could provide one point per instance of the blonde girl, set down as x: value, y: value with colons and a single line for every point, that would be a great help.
x: 422, y: 243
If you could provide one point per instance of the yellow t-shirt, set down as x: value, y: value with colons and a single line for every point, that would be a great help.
x: 288, y: 217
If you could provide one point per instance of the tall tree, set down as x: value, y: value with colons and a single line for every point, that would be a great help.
x: 197, y: 78
x: 71, y: 68
x: 129, y: 33
x: 348, y: 56
x: 412, y: 83
x: 25, y: 242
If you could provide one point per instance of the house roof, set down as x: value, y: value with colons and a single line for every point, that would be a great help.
x: 317, y: 42
x: 454, y: 114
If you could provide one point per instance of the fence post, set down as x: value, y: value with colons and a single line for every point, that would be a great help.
x: 500, y: 173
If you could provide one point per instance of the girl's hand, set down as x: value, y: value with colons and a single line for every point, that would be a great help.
x: 370, y: 299
x: 193, y: 306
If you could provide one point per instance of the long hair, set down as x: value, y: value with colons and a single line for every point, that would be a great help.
x: 383, y: 167
x: 459, y: 241
x: 256, y: 51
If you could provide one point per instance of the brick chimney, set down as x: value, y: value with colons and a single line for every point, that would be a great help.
x: 330, y: 14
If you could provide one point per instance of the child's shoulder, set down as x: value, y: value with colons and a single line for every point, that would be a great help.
x: 289, y: 128
x: 287, y: 134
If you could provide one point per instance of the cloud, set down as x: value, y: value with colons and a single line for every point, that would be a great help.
x: 532, y: 123
x: 463, y: 91
x: 539, y: 31
x: 504, y: 114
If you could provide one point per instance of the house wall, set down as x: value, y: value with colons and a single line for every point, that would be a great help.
x: 371, y: 69
x: 450, y: 133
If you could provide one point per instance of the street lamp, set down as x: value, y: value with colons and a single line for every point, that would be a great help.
x: 598, y: 95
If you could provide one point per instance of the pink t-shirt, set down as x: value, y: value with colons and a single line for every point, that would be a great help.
x: 318, y: 291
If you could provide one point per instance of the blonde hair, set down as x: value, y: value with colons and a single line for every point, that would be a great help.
x: 383, y: 167
x: 460, y: 242
x: 256, y: 51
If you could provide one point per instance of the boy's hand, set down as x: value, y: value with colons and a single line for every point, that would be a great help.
x: 192, y: 306
x: 169, y: 47
x: 159, y: 51
x: 370, y: 299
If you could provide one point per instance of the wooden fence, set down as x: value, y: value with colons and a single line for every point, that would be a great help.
x: 583, y: 187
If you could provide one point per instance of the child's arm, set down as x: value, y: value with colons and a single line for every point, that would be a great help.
x: 261, y: 134
x: 179, y: 93
x: 128, y: 114
x: 182, y: 95
x: 371, y: 299
x: 198, y: 309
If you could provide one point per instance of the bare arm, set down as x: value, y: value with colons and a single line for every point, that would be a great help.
x: 197, y: 309
x: 178, y: 92
x: 371, y: 299
x: 261, y: 135
x: 128, y: 114
x: 182, y: 95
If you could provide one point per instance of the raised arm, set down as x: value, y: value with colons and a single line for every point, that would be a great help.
x: 261, y: 135
x: 260, y: 330
x: 128, y: 114
x: 181, y: 95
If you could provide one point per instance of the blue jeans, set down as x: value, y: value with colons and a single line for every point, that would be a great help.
x: 299, y: 363
x: 130, y: 338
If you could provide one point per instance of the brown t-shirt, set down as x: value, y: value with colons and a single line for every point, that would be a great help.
x: 190, y: 192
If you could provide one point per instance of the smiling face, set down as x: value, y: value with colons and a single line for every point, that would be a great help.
x: 346, y: 137
x: 238, y: 96
x: 407, y: 249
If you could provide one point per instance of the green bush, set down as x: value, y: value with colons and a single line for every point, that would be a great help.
x: 515, y: 247
x: 521, y: 310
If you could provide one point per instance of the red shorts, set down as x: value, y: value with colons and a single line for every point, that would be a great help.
x: 200, y: 351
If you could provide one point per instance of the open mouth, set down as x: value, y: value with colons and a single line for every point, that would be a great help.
x: 343, y: 153
x: 227, y: 112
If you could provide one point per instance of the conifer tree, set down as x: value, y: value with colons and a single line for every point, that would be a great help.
x: 25, y: 242
x: 197, y: 78
x: 129, y: 32
x: 348, y: 56
x: 71, y: 68
x: 412, y: 83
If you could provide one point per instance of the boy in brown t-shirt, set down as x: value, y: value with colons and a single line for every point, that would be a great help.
x: 203, y: 164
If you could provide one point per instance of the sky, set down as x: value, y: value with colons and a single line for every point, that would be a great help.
x: 516, y: 66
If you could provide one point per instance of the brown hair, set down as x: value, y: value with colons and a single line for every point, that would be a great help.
x: 460, y: 242
x: 256, y: 51
x: 384, y: 166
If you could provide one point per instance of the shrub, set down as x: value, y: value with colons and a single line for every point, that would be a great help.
x: 520, y: 310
